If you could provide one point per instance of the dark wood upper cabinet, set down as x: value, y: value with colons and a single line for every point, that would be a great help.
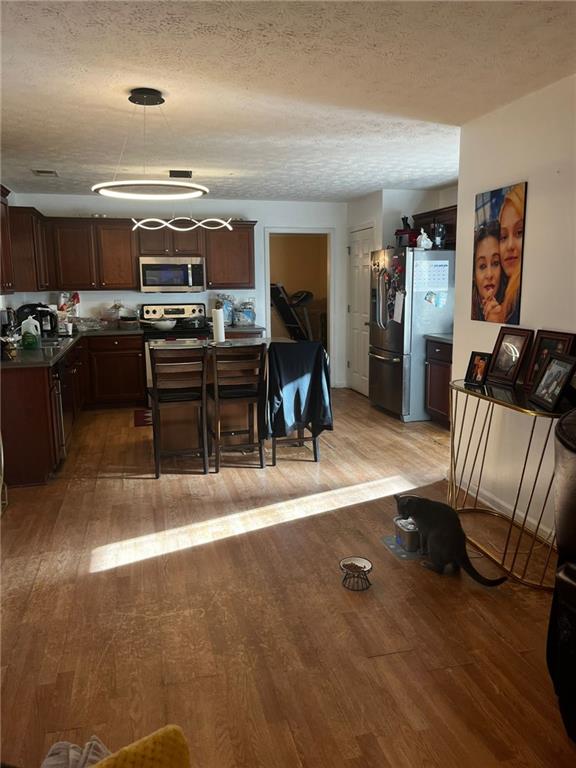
x: 28, y: 250
x: 184, y: 243
x: 6, y: 266
x: 75, y: 254
x: 154, y: 242
x: 230, y: 256
x: 116, y: 255
x: 447, y: 216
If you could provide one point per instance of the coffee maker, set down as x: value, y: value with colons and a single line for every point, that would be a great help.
x: 46, y: 317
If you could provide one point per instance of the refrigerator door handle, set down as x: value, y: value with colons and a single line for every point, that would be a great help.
x: 382, y: 299
x: 385, y: 359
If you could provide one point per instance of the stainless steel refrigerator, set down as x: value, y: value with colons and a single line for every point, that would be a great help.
x: 411, y: 295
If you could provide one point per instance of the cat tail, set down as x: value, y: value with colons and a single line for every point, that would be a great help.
x: 465, y: 563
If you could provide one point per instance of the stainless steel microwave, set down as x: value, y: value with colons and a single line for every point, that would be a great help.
x: 172, y: 274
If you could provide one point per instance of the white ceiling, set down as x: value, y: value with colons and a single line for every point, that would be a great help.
x: 280, y: 101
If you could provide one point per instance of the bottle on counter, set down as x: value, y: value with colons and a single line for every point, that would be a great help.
x: 30, y: 333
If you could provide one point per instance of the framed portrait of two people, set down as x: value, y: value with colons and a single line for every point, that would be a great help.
x: 498, y: 254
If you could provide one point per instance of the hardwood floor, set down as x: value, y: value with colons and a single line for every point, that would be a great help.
x: 215, y: 602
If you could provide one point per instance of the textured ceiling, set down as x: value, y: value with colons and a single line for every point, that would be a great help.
x: 310, y: 101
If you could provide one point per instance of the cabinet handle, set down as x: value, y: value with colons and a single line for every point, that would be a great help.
x: 176, y: 250
x: 166, y: 250
x: 209, y: 282
x: 115, y: 342
x: 139, y: 354
x: 437, y: 349
x: 103, y: 283
x: 93, y: 283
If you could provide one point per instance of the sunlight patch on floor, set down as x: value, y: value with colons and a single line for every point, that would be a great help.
x: 194, y: 535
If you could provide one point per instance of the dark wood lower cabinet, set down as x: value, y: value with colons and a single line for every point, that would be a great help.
x: 438, y: 377
x: 31, y: 424
x: 117, y: 370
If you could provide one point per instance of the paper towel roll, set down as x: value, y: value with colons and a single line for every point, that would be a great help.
x: 218, y: 324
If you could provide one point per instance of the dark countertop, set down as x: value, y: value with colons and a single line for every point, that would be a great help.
x: 47, y: 356
x: 442, y: 338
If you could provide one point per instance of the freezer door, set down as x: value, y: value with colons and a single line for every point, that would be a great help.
x: 389, y: 301
x: 389, y: 381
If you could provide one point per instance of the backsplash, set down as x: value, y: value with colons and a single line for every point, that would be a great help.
x: 94, y: 303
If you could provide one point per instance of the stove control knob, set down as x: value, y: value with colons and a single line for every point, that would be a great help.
x: 193, y: 311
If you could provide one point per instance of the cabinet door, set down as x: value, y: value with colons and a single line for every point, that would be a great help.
x: 7, y: 272
x: 115, y: 249
x: 154, y: 242
x: 230, y: 256
x: 188, y: 242
x: 117, y: 377
x: 438, y: 375
x: 75, y: 255
x: 22, y: 237
x: 41, y: 253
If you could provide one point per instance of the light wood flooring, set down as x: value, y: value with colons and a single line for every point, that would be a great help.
x: 228, y: 617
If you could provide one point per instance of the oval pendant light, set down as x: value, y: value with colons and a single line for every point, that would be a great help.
x: 148, y: 189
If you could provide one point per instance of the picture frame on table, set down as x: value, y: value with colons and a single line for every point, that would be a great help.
x: 477, y: 370
x: 554, y: 378
x: 509, y: 353
x: 546, y: 343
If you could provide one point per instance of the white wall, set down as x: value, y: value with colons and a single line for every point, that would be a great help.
x: 531, y: 139
x: 384, y: 209
x: 277, y: 216
x: 366, y: 212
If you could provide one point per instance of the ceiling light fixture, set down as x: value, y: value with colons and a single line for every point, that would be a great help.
x: 153, y: 223
x: 148, y: 189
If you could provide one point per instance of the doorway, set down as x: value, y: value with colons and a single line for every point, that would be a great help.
x: 299, y: 263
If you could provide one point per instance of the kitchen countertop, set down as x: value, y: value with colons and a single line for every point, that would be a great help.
x: 47, y: 356
x: 183, y: 343
x: 442, y: 338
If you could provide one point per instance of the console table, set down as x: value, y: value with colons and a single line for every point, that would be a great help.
x: 523, y: 549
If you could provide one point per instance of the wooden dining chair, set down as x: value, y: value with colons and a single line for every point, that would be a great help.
x: 178, y: 376
x: 238, y: 377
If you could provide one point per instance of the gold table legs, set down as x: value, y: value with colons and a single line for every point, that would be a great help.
x: 523, y: 550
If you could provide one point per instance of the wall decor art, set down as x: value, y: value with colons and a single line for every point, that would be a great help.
x: 498, y: 254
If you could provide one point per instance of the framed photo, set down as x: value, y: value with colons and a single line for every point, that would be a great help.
x: 503, y: 394
x: 554, y: 376
x: 478, y: 368
x: 547, y: 343
x: 510, y: 350
x: 498, y: 252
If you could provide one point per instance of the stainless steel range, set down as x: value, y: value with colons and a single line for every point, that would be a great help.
x: 190, y: 320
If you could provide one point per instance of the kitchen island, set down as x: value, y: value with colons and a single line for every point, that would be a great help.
x: 43, y: 392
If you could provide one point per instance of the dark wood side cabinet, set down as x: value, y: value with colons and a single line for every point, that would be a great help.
x: 32, y: 421
x: 6, y: 267
x: 447, y: 216
x: 438, y: 377
x: 117, y: 370
x: 29, y: 250
x: 230, y: 256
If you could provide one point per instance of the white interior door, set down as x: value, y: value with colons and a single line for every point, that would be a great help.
x: 361, y: 243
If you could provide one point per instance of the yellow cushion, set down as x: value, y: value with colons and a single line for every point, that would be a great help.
x: 166, y: 748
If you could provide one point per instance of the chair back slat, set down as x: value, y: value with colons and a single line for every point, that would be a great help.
x: 178, y: 368
x: 239, y: 366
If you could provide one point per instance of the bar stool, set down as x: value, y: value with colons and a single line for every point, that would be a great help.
x: 239, y: 377
x: 178, y: 376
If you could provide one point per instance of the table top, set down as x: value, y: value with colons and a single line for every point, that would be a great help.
x: 514, y: 398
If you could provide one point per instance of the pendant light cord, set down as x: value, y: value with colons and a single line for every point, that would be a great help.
x: 125, y: 142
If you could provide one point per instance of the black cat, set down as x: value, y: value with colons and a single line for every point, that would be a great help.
x: 441, y: 536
